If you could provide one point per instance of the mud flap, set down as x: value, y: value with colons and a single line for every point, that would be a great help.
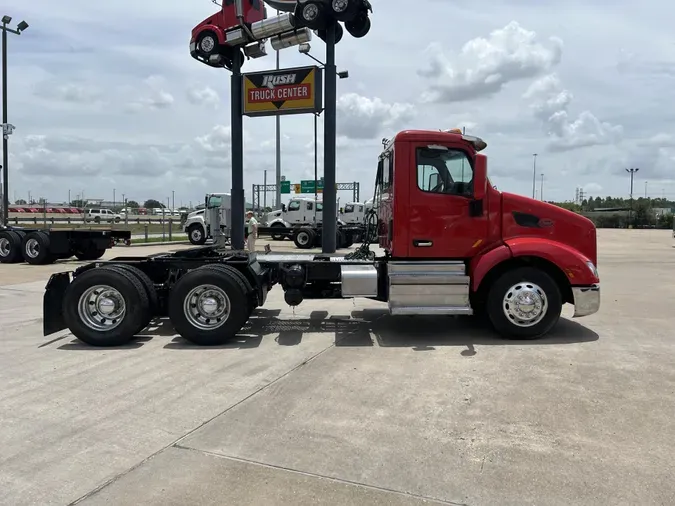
x: 52, y: 312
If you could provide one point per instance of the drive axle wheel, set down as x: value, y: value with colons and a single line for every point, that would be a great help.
x: 35, y: 247
x: 10, y: 247
x: 105, y: 307
x: 208, y: 306
x: 524, y: 303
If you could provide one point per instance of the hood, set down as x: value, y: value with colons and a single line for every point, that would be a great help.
x: 195, y: 213
x: 523, y: 216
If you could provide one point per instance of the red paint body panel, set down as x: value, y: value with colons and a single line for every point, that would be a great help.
x: 226, y: 18
x: 567, y: 258
x: 480, y: 265
x: 409, y: 214
x: 563, y: 226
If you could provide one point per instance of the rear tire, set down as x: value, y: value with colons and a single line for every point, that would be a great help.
x: 304, y: 238
x: 105, y: 307
x: 35, y: 248
x: 208, y: 306
x: 90, y: 254
x: 10, y: 247
x: 524, y: 303
x: 148, y: 285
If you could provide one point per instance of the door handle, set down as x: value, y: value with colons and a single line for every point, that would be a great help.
x: 422, y: 243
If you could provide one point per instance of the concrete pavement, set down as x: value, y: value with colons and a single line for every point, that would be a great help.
x: 339, y: 403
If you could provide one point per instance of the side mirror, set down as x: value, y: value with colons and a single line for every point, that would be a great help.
x: 283, y: 208
x: 434, y: 179
x: 480, y: 177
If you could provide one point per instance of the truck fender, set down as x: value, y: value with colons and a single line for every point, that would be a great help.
x: 569, y: 260
x: 279, y: 221
x: 481, y: 265
x: 215, y: 29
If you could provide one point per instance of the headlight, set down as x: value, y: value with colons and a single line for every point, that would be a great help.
x: 593, y: 269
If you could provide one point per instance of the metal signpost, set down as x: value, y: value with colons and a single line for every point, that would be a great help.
x: 241, y: 29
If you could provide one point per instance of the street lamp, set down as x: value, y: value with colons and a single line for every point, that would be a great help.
x: 632, y: 172
x: 7, y: 129
x: 534, y: 175
x: 305, y: 49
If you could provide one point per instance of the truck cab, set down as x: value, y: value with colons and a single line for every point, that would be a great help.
x: 435, y: 202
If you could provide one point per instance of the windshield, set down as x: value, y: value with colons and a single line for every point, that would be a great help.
x: 349, y: 208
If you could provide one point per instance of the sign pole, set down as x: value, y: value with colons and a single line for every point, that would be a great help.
x: 316, y: 163
x: 329, y: 236
x: 237, y: 118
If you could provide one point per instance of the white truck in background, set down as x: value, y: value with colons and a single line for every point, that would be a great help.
x: 198, y: 223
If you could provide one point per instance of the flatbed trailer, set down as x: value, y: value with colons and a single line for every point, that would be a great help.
x: 44, y: 246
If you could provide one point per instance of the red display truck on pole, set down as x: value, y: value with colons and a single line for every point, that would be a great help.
x: 452, y: 245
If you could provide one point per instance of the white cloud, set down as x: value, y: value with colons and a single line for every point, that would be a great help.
x: 203, y: 96
x: 551, y: 102
x: 361, y: 117
x: 485, y: 65
x: 592, y: 188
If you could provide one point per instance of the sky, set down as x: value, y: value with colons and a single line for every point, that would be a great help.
x: 106, y: 98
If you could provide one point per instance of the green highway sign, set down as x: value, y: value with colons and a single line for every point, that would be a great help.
x: 286, y: 187
x: 308, y: 186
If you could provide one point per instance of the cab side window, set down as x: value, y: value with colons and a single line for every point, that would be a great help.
x: 446, y: 171
x: 310, y: 206
x: 294, y: 206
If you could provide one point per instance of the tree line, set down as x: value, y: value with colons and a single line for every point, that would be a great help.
x: 619, y: 212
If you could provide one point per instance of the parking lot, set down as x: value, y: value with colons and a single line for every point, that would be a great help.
x: 339, y: 403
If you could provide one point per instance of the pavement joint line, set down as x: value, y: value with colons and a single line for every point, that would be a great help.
x: 322, y: 476
x: 190, y: 432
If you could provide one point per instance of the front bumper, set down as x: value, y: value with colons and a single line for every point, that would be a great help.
x: 586, y: 300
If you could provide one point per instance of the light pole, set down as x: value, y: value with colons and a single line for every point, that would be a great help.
x: 173, y: 200
x: 114, y: 198
x: 534, y: 175
x: 277, y: 195
x: 541, y: 192
x: 646, y: 189
x: 632, y: 172
x: 6, y: 127
x: 305, y: 49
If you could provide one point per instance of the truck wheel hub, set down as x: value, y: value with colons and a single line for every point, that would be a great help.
x: 207, y: 307
x: 101, y: 308
x: 208, y: 44
x: 303, y: 238
x: 310, y: 12
x: 525, y: 304
x: 339, y: 5
x: 196, y: 235
x: 4, y: 247
x: 32, y: 248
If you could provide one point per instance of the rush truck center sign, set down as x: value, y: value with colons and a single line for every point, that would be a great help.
x: 286, y: 91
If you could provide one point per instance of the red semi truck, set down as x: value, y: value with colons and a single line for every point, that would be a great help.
x: 453, y: 245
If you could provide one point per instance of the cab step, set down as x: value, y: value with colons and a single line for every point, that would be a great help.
x: 429, y: 288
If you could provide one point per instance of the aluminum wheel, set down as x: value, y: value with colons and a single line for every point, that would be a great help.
x: 207, y: 44
x: 32, y: 248
x: 207, y: 307
x: 310, y: 12
x: 303, y: 238
x: 101, y: 308
x: 5, y: 247
x: 525, y: 304
x: 340, y: 5
x: 196, y: 235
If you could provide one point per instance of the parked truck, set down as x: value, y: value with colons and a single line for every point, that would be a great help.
x: 44, y: 246
x: 453, y: 245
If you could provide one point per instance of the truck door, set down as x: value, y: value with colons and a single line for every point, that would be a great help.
x: 441, y: 196
x: 294, y: 210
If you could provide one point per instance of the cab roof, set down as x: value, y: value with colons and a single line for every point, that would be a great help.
x: 440, y: 136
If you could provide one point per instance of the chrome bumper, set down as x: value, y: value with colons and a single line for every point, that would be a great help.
x: 586, y: 300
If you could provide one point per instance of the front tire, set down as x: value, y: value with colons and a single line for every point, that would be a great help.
x: 524, y: 303
x: 208, y: 306
x: 207, y: 44
x: 277, y: 237
x: 105, y: 307
x: 196, y: 235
